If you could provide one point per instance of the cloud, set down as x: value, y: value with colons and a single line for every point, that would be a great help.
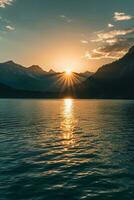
x: 10, y: 28
x: 4, y: 3
x: 121, y: 16
x: 110, y: 25
x: 103, y: 53
x: 93, y: 55
x: 114, y: 43
x: 84, y: 41
x: 114, y: 33
x: 65, y: 18
x: 113, y: 50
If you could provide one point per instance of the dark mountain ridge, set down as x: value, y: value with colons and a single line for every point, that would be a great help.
x: 34, y: 79
x: 114, y: 80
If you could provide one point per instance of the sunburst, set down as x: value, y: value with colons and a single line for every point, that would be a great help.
x: 68, y: 72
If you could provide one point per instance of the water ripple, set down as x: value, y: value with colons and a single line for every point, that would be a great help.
x: 66, y: 149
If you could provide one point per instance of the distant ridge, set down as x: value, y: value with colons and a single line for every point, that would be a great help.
x: 30, y: 81
x: 36, y: 68
x: 114, y: 80
x: 10, y: 62
x: 51, y: 71
x: 131, y: 50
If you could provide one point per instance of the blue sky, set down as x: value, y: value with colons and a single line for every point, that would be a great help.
x: 80, y: 34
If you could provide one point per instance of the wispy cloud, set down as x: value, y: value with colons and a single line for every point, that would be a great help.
x: 121, y: 16
x: 113, y: 48
x: 114, y: 33
x: 84, y: 41
x: 65, y: 18
x: 114, y: 51
x: 112, y: 44
x: 10, y: 28
x: 4, y: 3
x: 110, y: 25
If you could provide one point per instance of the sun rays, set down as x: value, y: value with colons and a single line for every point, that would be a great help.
x: 67, y: 81
x: 68, y: 72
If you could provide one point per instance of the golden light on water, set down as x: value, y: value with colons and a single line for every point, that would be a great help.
x: 68, y: 106
x: 68, y: 124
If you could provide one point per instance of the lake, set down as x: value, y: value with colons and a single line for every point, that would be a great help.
x: 66, y: 149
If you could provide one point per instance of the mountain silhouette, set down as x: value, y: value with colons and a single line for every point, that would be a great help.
x: 51, y: 71
x: 114, y: 80
x: 36, y: 70
x: 19, y: 79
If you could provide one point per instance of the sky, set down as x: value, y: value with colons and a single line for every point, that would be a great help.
x: 60, y: 34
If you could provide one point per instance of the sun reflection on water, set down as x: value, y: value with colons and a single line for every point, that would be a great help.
x: 68, y: 124
x: 68, y: 104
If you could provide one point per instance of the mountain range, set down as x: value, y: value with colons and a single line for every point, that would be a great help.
x: 17, y: 80
x: 114, y: 80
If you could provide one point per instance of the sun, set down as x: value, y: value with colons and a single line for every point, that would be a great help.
x: 68, y: 72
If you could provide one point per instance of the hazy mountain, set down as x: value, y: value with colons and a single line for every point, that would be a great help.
x: 121, y: 68
x: 86, y: 74
x: 36, y: 70
x: 51, y: 71
x: 114, y: 80
x: 17, y: 76
x: 33, y: 78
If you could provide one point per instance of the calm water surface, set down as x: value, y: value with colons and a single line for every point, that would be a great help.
x: 66, y: 150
